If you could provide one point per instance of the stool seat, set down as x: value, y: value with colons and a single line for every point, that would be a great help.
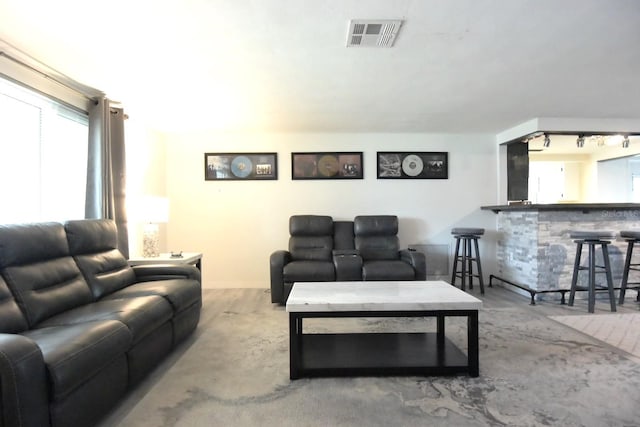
x: 592, y: 235
x: 463, y: 231
x: 630, y: 234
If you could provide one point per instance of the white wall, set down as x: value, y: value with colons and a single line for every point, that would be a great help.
x: 146, y: 172
x: 237, y: 224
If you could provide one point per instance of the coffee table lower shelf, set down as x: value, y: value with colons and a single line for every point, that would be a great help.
x: 377, y: 354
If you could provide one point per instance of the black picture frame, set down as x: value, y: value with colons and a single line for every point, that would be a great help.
x: 327, y: 165
x: 412, y: 164
x: 240, y: 166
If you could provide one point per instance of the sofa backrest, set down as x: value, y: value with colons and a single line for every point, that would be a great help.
x: 311, y: 237
x: 343, y: 235
x: 376, y: 237
x: 93, y: 244
x: 11, y: 318
x: 36, y: 265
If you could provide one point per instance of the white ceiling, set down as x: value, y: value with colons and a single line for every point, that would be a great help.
x: 459, y: 66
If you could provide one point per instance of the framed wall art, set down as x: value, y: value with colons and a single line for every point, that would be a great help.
x: 240, y: 166
x: 413, y: 165
x: 326, y: 165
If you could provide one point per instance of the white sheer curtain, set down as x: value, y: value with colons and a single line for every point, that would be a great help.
x: 106, y: 168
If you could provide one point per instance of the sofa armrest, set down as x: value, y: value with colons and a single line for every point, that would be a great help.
x: 417, y: 260
x: 23, y: 383
x: 277, y: 261
x: 146, y: 273
x: 348, y: 264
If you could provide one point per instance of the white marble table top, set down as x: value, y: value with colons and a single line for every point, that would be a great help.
x: 379, y: 296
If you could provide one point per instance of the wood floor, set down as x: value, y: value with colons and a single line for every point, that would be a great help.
x: 500, y: 296
x: 496, y: 297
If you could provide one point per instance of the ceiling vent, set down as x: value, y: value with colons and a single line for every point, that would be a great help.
x: 372, y: 32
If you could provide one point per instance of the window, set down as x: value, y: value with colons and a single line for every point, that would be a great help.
x: 43, y: 157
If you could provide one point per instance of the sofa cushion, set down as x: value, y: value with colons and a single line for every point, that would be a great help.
x: 387, y: 270
x: 47, y: 288
x: 376, y: 237
x: 311, y: 248
x: 11, y: 318
x: 311, y: 237
x: 93, y: 244
x: 74, y: 353
x: 141, y: 315
x: 309, y: 271
x: 378, y: 247
x: 105, y: 272
x: 181, y: 293
x: 36, y: 265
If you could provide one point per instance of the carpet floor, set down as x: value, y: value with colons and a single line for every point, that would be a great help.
x: 534, y: 371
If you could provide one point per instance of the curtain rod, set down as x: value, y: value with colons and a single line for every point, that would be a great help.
x: 79, y: 88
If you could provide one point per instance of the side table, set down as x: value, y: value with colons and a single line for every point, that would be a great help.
x: 193, y: 258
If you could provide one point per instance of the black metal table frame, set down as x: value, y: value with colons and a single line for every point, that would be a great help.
x: 297, y: 347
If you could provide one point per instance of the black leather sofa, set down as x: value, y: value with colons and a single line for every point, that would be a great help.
x: 78, y: 326
x: 324, y: 250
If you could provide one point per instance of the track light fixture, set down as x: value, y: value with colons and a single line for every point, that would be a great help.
x: 541, y: 140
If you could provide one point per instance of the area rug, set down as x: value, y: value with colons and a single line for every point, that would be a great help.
x: 620, y: 330
x: 533, y: 372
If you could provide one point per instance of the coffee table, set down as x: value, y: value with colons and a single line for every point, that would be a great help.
x: 383, y: 353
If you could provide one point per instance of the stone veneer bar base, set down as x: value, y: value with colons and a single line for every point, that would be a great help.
x: 534, y: 248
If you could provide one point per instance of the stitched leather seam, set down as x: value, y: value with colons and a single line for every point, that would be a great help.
x: 13, y: 376
x: 77, y: 353
x: 19, y: 296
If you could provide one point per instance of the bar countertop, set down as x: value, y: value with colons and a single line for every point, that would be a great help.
x: 583, y: 207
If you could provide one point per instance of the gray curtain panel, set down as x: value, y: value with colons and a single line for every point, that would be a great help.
x: 106, y: 169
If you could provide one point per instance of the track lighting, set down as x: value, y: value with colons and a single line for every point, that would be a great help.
x: 625, y: 142
x: 580, y: 141
x: 547, y: 141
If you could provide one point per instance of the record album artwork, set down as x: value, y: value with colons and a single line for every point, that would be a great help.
x: 240, y: 166
x: 337, y: 165
x: 413, y: 165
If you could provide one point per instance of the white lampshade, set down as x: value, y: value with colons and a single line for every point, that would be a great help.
x: 155, y: 210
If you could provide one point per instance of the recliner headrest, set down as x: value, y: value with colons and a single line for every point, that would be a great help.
x: 27, y: 243
x: 310, y: 225
x: 375, y: 225
x: 88, y: 236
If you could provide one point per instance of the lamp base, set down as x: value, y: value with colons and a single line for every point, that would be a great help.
x: 150, y: 241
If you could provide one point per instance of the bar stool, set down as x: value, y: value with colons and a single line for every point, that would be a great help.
x: 466, y: 257
x: 592, y: 239
x: 631, y: 237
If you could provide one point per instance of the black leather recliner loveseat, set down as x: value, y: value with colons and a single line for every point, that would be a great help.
x: 78, y: 326
x: 324, y: 250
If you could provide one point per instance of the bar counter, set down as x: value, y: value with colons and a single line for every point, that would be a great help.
x: 534, y: 248
x: 583, y: 207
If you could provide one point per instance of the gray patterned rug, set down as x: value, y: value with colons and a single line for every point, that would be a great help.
x: 533, y: 372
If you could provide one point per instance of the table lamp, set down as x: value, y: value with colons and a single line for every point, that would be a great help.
x: 154, y: 211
